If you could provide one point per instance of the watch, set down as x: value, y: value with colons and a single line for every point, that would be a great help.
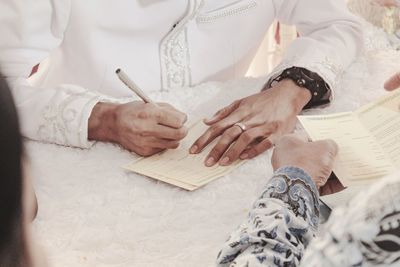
x: 311, y: 81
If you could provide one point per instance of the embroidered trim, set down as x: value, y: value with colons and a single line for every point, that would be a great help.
x: 58, y: 120
x: 212, y: 16
x: 175, y: 59
x: 174, y: 51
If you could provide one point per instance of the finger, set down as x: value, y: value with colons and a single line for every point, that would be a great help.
x: 257, y: 149
x: 244, y: 141
x: 169, y: 106
x: 166, y: 105
x: 164, y: 132
x: 158, y: 143
x: 214, y: 131
x: 222, y: 113
x: 171, y: 118
x: 393, y: 83
x: 223, y: 144
x: 142, y: 151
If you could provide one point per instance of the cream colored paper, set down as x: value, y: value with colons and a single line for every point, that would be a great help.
x: 368, y: 139
x: 179, y: 168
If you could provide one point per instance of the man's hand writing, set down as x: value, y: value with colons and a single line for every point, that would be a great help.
x: 145, y: 129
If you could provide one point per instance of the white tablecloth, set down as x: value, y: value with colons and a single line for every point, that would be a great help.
x: 93, y: 213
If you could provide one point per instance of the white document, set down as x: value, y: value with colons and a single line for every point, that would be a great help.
x: 368, y: 139
x: 180, y: 168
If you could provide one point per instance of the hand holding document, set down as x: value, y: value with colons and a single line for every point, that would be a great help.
x: 180, y: 168
x: 368, y: 139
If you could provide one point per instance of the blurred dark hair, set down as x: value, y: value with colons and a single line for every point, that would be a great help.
x: 12, y: 245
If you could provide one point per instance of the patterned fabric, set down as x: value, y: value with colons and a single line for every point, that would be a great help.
x: 284, y: 221
x: 366, y: 232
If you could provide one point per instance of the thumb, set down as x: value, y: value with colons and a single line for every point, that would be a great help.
x: 393, y: 83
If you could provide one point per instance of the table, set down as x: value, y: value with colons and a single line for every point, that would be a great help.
x: 93, y: 213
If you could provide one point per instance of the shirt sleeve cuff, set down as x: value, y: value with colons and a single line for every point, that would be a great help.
x: 296, y: 189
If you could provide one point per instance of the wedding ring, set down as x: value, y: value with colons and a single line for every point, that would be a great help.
x: 241, y: 126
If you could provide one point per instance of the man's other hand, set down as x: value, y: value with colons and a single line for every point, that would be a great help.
x: 263, y: 118
x: 143, y: 128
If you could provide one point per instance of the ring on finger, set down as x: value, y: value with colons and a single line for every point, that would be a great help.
x: 241, y: 126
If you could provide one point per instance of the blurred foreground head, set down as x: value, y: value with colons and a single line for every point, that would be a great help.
x: 12, y: 236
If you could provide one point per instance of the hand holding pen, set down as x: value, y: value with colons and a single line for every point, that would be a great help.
x: 143, y: 127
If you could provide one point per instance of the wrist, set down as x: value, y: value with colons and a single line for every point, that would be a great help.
x: 298, y: 96
x: 102, y: 122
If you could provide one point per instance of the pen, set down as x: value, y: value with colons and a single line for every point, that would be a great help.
x: 131, y: 85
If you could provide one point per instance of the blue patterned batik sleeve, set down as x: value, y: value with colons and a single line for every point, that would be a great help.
x: 280, y: 225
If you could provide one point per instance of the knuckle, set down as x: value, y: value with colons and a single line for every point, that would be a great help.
x: 225, y: 140
x: 216, y: 128
x: 276, y: 125
x: 143, y: 114
x: 230, y: 134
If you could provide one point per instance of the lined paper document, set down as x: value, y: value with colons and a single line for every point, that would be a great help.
x: 179, y: 168
x: 368, y: 139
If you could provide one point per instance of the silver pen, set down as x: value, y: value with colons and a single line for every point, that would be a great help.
x: 134, y: 88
